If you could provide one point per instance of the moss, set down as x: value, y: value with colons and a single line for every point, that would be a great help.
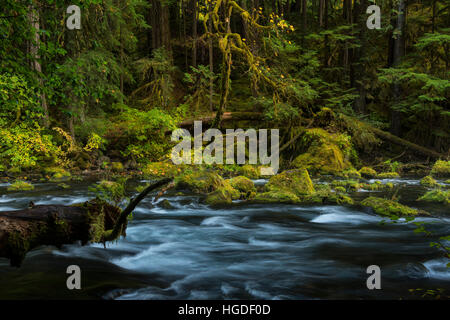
x: 386, y: 207
x: 428, y: 181
x: 64, y: 186
x: 117, y: 166
x: 437, y: 195
x: 325, y: 153
x: 340, y: 190
x: 447, y: 181
x: 368, y: 173
x: 388, y: 175
x: 441, y: 169
x: 249, y: 171
x: 352, y: 185
x: 162, y: 169
x: 165, y: 204
x: 57, y: 174
x: 20, y: 185
x: 295, y: 181
x: 378, y: 186
x: 17, y: 247
x: 351, y: 174
x: 245, y: 186
x: 324, y: 195
x: 200, y: 181
x: 225, y: 194
x: 276, y: 196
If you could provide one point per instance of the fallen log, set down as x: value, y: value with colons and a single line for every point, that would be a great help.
x: 93, y: 221
x: 227, y: 116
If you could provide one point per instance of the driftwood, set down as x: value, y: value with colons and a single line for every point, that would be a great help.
x: 92, y: 221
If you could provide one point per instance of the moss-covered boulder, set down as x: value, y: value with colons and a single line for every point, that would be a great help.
x: 288, y: 187
x: 428, y: 181
x: 326, y: 153
x: 249, y: 171
x: 224, y: 194
x: 20, y: 185
x: 437, y: 195
x: 325, y: 195
x: 368, y: 173
x: 165, y: 204
x: 388, y: 175
x: 378, y: 186
x: 117, y: 166
x: 200, y: 181
x: 276, y: 197
x: 162, y: 169
x: 350, y: 185
x: 386, y: 207
x: 441, y: 169
x: 296, y: 181
x: 57, y: 174
x: 245, y: 186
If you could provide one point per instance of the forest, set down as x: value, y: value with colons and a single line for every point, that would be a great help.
x: 362, y: 112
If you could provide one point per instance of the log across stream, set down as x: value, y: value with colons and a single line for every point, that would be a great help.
x: 92, y: 221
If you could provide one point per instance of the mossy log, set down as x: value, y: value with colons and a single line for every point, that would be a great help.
x: 92, y: 221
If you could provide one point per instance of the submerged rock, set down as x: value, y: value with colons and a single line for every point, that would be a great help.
x: 165, y: 204
x: 386, y: 207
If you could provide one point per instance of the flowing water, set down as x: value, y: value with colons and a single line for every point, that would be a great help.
x: 244, y: 251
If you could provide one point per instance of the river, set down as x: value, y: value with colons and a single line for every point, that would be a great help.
x: 245, y: 251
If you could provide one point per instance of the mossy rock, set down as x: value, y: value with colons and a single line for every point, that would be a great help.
x: 245, y: 186
x: 276, y: 197
x: 64, y: 186
x: 378, y: 186
x: 249, y: 171
x: 225, y: 194
x: 162, y: 169
x: 437, y: 195
x: 428, y: 181
x: 326, y: 153
x: 57, y: 174
x: 117, y: 166
x: 351, y: 184
x: 386, y: 207
x: 351, y: 174
x: 165, y: 204
x: 295, y: 181
x: 368, y: 173
x: 325, y: 195
x: 388, y: 175
x: 340, y: 190
x: 20, y: 185
x: 200, y: 181
x: 441, y: 169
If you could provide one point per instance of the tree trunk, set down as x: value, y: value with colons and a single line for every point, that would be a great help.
x: 399, y: 52
x: 92, y: 221
x: 34, y: 47
x: 194, y: 32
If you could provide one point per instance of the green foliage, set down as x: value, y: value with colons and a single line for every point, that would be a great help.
x: 112, y: 192
x: 143, y: 133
